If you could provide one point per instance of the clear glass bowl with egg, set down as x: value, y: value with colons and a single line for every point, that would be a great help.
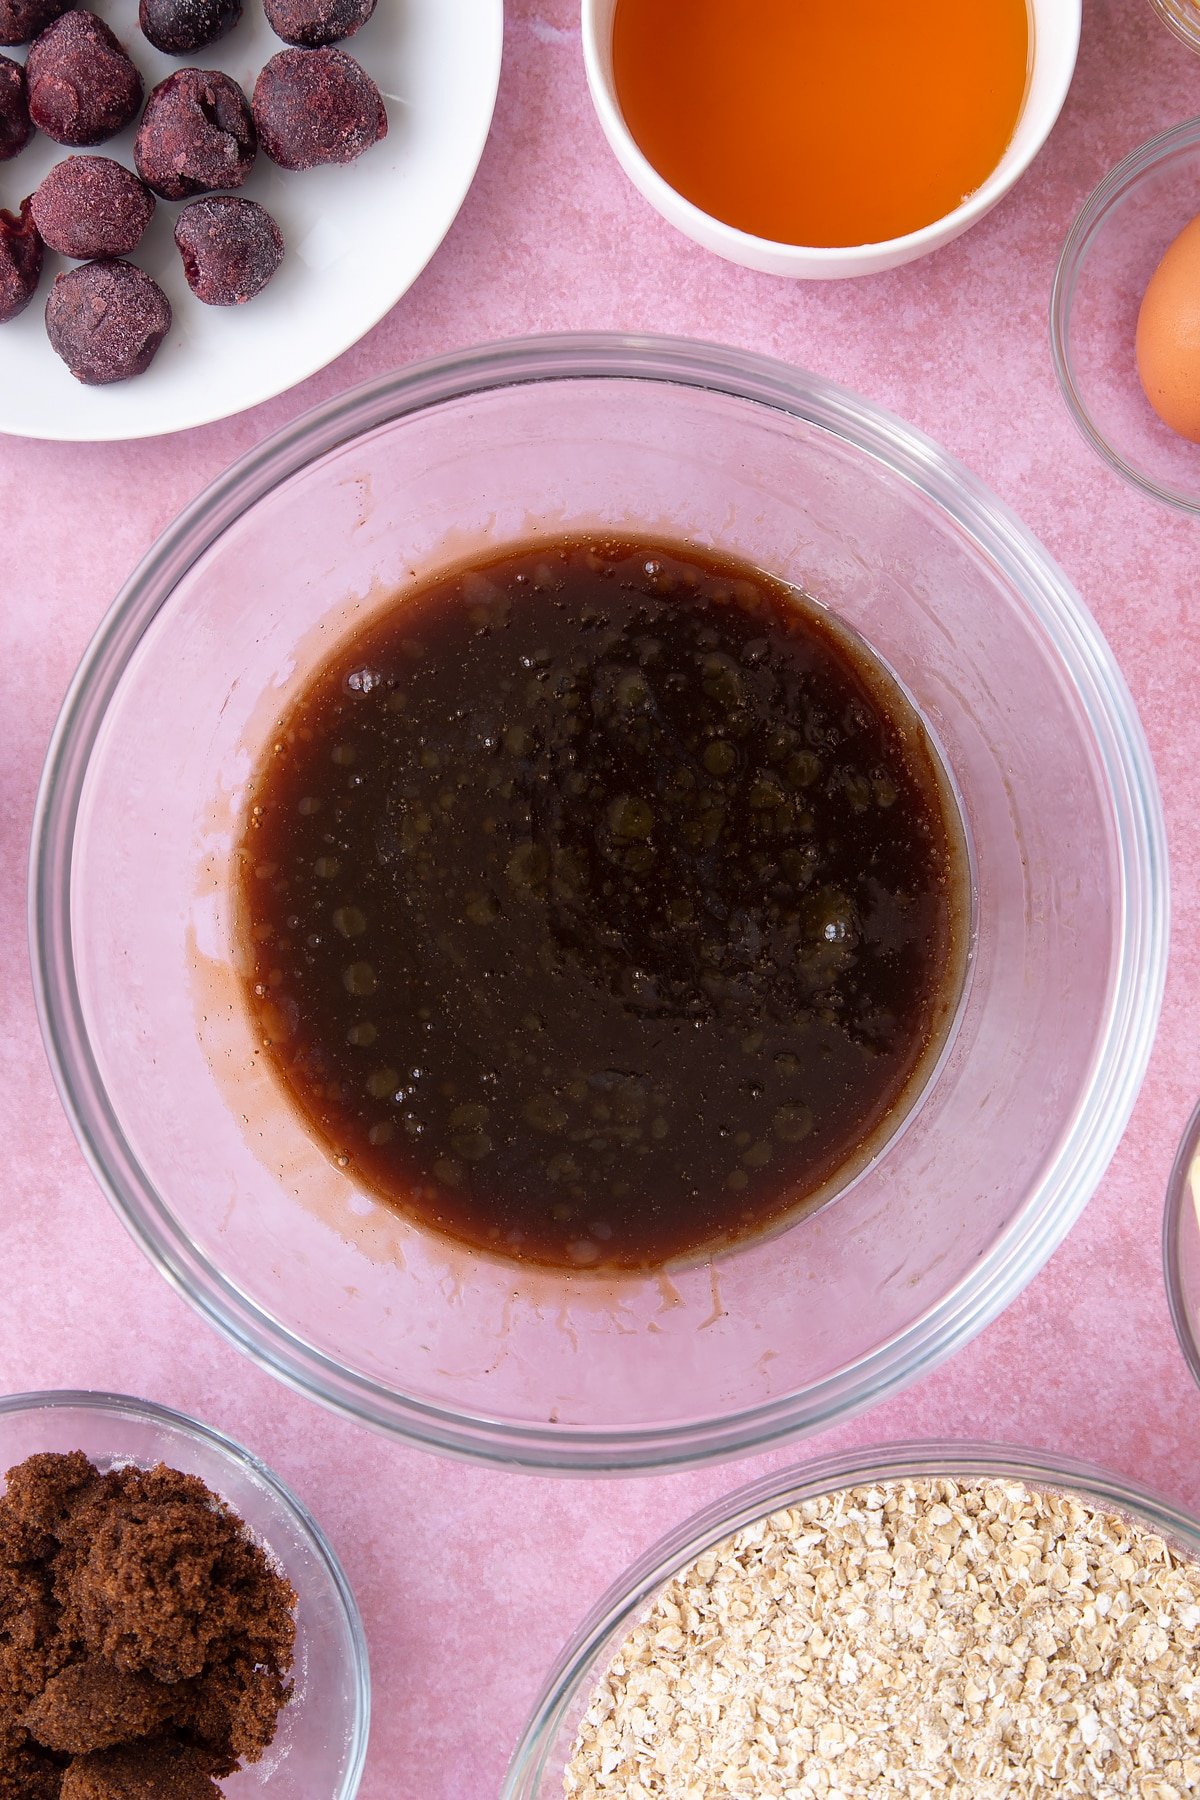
x: 1110, y: 255
x: 321, y: 1740
x: 1181, y: 1244
x: 537, y: 1766
x: 136, y: 958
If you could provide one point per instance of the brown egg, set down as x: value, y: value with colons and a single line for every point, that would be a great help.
x: 1168, y: 335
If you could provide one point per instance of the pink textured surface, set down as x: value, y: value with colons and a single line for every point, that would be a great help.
x: 470, y: 1580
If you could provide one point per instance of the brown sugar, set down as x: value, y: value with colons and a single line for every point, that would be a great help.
x: 145, y: 1638
x: 144, y: 1773
x: 93, y: 1706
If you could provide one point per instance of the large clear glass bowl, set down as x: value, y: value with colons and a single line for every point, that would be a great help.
x: 135, y: 957
x: 536, y: 1770
x: 321, y: 1741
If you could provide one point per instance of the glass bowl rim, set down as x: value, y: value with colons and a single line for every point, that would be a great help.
x: 1055, y: 611
x: 1178, y: 1199
x: 118, y: 1406
x: 628, y: 1597
x: 1187, y: 34
x: 1091, y: 216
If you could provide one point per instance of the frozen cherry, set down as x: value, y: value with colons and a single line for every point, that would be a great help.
x: 20, y: 261
x: 196, y: 134
x: 106, y: 320
x: 230, y: 249
x: 16, y: 126
x: 21, y: 20
x: 92, y: 206
x: 181, y: 27
x: 316, y: 106
x: 311, y: 23
x: 82, y: 86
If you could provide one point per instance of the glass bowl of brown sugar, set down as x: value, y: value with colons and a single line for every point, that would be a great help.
x: 565, y: 1351
x: 205, y: 1628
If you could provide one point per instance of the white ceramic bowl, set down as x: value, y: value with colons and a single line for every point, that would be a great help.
x: 1055, y: 39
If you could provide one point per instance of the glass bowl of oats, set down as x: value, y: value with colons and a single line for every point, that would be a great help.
x: 993, y: 1620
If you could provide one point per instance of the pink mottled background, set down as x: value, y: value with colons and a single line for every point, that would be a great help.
x: 470, y: 1580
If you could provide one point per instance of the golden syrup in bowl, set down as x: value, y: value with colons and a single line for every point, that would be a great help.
x: 820, y: 122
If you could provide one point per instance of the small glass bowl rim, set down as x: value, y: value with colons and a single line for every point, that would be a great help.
x: 1186, y: 32
x: 1055, y: 611
x: 630, y: 1596
x: 123, y: 1406
x: 1095, y: 209
x: 1185, y: 1313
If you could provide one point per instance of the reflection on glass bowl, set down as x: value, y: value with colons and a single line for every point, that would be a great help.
x: 1183, y: 17
x: 1181, y: 1243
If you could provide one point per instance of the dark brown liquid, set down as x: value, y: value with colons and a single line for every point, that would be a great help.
x: 604, y: 903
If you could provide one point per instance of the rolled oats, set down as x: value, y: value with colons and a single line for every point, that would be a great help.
x: 978, y: 1639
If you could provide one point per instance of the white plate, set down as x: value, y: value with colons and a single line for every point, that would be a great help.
x: 357, y: 236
